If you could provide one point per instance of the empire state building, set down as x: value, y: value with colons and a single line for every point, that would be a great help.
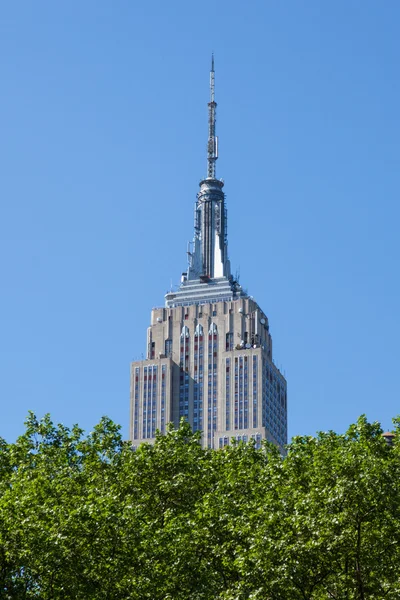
x: 209, y: 349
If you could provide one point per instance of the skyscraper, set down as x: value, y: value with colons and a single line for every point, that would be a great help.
x: 209, y: 349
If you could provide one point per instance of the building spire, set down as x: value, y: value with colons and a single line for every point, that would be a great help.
x: 212, y: 79
x: 208, y: 254
x: 212, y: 145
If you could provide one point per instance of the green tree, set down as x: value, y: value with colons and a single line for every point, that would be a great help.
x: 328, y: 521
x: 86, y: 518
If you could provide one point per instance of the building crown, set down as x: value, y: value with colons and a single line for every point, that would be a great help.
x: 208, y: 277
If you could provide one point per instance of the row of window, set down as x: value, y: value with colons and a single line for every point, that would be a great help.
x: 241, y: 408
x: 224, y: 441
x: 149, y: 401
x: 241, y: 395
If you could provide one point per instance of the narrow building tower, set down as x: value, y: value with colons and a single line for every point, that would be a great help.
x: 209, y: 350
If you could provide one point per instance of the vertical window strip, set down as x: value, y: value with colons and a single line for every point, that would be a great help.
x: 181, y: 377
x: 144, y: 432
x: 236, y: 393
x: 212, y: 383
x: 201, y: 380
x: 209, y: 398
x: 136, y: 405
x: 241, y: 392
x: 245, y: 393
x: 198, y: 380
x: 184, y: 374
x: 255, y: 391
x: 215, y: 388
x: 154, y: 402
x: 228, y: 394
x: 196, y: 383
x: 163, y: 384
x: 186, y: 377
x: 264, y: 408
x: 149, y: 400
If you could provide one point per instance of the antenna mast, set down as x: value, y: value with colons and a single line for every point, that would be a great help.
x: 212, y: 146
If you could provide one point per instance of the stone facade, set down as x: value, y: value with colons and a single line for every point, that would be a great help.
x: 211, y: 364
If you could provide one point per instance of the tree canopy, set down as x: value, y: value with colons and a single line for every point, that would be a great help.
x: 84, y: 517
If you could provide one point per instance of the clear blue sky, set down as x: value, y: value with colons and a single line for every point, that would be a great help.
x: 103, y: 121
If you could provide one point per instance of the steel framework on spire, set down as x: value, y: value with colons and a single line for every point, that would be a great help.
x: 212, y: 146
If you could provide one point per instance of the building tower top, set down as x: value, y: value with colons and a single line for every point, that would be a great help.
x: 208, y: 277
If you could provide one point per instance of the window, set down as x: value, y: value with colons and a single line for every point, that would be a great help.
x: 168, y: 348
x: 229, y: 341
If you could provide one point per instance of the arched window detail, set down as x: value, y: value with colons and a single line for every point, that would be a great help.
x: 213, y: 329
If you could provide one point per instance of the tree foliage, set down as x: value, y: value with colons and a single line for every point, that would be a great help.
x: 85, y: 517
